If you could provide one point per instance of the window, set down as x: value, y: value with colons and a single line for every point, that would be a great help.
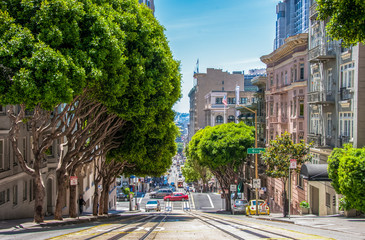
x: 277, y: 80
x: 315, y: 158
x: 315, y: 82
x: 291, y: 108
x: 2, y: 109
x: 253, y: 100
x: 329, y: 124
x: 1, y: 154
x: 219, y: 119
x: 230, y: 118
x: 277, y: 109
x: 328, y: 200
x: 271, y: 81
x: 295, y: 73
x: 8, y: 195
x: 329, y: 80
x: 301, y: 108
x: 347, y: 75
x: 218, y: 100
x: 25, y: 190
x: 231, y: 100
x: 295, y: 107
x: 286, y: 78
x: 282, y: 78
x: 15, y: 195
x: 222, y: 82
x: 314, y: 122
x: 301, y: 71
x: 2, y: 197
x: 346, y: 124
x: 243, y: 100
x: 299, y: 179
x: 271, y: 109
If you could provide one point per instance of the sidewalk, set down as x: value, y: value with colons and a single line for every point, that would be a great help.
x: 337, y: 223
x: 27, y: 223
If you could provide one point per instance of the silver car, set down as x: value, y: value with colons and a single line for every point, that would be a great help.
x: 153, y: 205
x: 239, y: 205
x: 162, y: 193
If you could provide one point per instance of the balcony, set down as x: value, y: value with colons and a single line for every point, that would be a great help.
x: 273, y: 119
x: 315, y: 138
x: 345, y: 94
x: 323, y: 51
x: 320, y: 97
x: 283, y: 119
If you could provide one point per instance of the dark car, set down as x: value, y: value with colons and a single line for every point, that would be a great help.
x: 121, y: 197
x: 162, y: 193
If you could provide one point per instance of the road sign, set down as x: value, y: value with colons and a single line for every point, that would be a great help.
x: 233, y: 187
x: 256, y: 183
x: 255, y: 150
x: 73, y: 180
x: 293, y: 163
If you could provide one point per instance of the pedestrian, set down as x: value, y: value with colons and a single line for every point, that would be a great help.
x: 81, y: 204
x: 187, y: 189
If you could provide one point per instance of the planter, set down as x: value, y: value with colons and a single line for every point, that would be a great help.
x: 304, y: 210
x: 350, y: 213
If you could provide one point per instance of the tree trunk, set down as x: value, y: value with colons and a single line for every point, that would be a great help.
x: 73, y: 210
x: 105, y: 196
x: 40, y: 193
x: 96, y: 198
x: 61, y: 192
x: 101, y: 203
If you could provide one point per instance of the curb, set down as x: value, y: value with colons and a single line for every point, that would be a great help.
x: 272, y: 219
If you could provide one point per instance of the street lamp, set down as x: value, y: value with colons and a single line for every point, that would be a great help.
x: 256, y: 171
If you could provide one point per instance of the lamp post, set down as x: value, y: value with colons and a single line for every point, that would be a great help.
x: 256, y: 170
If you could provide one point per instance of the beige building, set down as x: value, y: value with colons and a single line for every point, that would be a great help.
x: 213, y: 80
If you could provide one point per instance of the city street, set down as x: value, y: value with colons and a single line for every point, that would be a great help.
x: 200, y: 218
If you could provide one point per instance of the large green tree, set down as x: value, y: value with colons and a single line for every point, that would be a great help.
x: 55, y: 51
x: 346, y: 168
x: 223, y: 150
x: 346, y: 19
x: 277, y: 158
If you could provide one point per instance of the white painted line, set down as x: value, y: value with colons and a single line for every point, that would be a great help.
x: 192, y: 200
x: 210, y: 200
x: 140, y: 200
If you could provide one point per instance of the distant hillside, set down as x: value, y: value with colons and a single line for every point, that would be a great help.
x: 182, y: 118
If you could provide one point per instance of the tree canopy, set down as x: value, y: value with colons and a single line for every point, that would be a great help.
x: 346, y: 168
x: 346, y: 19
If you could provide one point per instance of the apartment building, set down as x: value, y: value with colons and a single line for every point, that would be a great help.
x: 150, y: 4
x: 335, y: 113
x: 204, y: 83
x: 291, y: 19
x: 286, y: 111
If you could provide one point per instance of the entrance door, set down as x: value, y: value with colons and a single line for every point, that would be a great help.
x: 314, y: 200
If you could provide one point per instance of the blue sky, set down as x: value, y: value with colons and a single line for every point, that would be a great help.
x: 231, y: 35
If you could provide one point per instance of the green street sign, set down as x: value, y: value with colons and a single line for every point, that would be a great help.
x: 255, y: 150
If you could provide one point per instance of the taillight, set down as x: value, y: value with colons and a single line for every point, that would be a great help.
x: 234, y: 205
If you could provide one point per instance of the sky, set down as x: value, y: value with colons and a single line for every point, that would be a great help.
x: 230, y: 35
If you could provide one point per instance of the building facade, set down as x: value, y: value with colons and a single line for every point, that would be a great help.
x: 204, y: 83
x: 291, y: 19
x: 286, y: 111
x: 336, y: 116
x: 150, y: 4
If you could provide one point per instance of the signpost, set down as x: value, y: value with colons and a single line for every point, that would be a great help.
x: 256, y: 183
x: 293, y: 165
x: 73, y: 180
x: 233, y: 187
x: 255, y: 150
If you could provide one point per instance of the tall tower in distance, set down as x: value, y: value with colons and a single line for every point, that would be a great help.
x: 292, y: 18
x: 150, y: 4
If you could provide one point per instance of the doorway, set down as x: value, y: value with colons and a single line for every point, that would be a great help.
x: 314, y: 192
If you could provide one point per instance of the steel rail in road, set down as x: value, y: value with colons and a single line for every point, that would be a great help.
x: 237, y: 225
x: 154, y: 227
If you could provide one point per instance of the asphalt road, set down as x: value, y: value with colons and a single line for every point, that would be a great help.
x: 202, y: 222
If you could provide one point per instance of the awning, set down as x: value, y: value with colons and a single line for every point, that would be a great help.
x: 315, y: 172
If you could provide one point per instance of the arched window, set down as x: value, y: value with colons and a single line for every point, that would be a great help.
x: 230, y: 118
x: 219, y: 119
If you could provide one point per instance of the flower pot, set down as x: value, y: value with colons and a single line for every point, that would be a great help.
x: 304, y: 210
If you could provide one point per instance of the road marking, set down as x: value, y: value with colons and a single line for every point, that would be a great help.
x: 192, y: 200
x: 210, y: 200
x: 140, y: 200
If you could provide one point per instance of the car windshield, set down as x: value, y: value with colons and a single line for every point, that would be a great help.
x: 254, y: 202
x: 241, y: 202
x: 152, y: 202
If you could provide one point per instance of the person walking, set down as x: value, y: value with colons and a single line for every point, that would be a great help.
x: 81, y: 204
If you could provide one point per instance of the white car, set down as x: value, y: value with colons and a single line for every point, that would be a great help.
x: 153, y: 205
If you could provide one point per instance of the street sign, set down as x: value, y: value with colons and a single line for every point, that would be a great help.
x: 293, y: 163
x: 256, y: 183
x: 255, y: 150
x: 233, y: 187
x: 73, y: 180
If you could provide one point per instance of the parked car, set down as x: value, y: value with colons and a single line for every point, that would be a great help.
x: 161, y: 193
x: 176, y: 197
x: 153, y: 205
x: 262, y: 207
x: 239, y: 205
x: 121, y: 197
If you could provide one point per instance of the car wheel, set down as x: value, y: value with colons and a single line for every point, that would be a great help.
x: 168, y: 199
x: 146, y: 210
x: 232, y: 212
x: 247, y: 212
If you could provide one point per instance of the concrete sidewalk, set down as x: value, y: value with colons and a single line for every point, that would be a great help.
x: 337, y: 223
x: 27, y: 223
